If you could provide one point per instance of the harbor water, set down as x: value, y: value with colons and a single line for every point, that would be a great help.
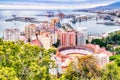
x: 92, y: 27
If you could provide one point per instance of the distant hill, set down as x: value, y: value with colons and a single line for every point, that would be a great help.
x: 107, y: 7
x: 111, y: 6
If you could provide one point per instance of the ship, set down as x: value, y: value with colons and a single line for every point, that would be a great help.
x: 60, y: 14
x: 49, y: 14
x: 73, y: 20
x: 109, y: 23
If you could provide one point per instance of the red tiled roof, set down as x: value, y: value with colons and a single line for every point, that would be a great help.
x: 36, y: 42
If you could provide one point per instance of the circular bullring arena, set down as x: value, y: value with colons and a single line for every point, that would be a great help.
x: 72, y: 51
x: 89, y: 49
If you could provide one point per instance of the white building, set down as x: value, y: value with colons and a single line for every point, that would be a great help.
x: 11, y: 34
x: 81, y: 36
x: 30, y: 31
x: 53, y: 38
x: 102, y: 59
x: 45, y: 41
x: 81, y: 39
x: 82, y: 30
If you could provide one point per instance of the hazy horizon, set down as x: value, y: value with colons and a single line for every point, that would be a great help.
x: 53, y: 4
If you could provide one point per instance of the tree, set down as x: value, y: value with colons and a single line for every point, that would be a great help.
x: 98, y: 42
x: 117, y: 50
x: 1, y: 41
x: 52, y: 51
x: 87, y: 41
x: 85, y: 69
x: 110, y: 47
x: 114, y: 57
x: 117, y: 61
x: 111, y: 72
x: 57, y: 44
x: 113, y: 38
x: 116, y: 38
x: 28, y: 62
x: 7, y: 73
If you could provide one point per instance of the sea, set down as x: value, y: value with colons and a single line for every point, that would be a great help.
x: 92, y: 27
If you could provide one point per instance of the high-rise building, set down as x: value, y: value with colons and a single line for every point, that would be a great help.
x: 67, y: 38
x: 81, y: 39
x: 11, y: 34
x: 45, y: 41
x: 46, y: 34
x: 30, y: 31
x: 83, y: 30
x: 81, y: 36
x: 55, y: 22
x: 53, y: 38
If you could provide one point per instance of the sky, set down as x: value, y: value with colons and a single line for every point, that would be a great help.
x: 53, y: 4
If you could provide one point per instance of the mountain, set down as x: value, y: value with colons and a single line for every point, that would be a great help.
x: 110, y: 6
x: 107, y: 7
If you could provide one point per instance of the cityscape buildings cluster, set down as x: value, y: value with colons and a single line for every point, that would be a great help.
x: 72, y: 43
x: 46, y: 34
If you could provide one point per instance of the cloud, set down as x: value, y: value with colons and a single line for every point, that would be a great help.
x: 47, y: 6
x: 52, y: 4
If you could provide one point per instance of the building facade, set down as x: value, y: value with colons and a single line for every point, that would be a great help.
x: 81, y: 39
x: 56, y: 22
x: 45, y: 41
x: 81, y: 36
x: 53, y: 38
x: 11, y: 34
x: 30, y: 31
x: 67, y: 38
x: 102, y: 59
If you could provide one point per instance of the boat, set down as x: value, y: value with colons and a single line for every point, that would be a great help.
x: 60, y: 14
x: 73, y: 20
x: 109, y: 23
x: 49, y: 14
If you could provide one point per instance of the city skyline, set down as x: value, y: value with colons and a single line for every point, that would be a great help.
x: 53, y: 4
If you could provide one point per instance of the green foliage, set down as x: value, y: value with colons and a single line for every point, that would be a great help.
x: 19, y: 61
x: 110, y: 47
x: 117, y: 61
x: 98, y: 42
x: 109, y: 41
x: 85, y: 69
x: 117, y: 50
x: 113, y: 38
x: 114, y: 57
x: 111, y: 72
x: 57, y: 44
x: 7, y: 74
x: 1, y: 41
x: 24, y: 61
x: 87, y: 41
x: 116, y: 39
x: 52, y: 51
